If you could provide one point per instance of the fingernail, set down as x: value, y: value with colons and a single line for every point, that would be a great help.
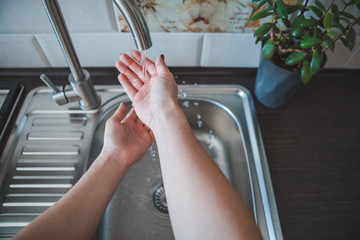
x: 163, y: 57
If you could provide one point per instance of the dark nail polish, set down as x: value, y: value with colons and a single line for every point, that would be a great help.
x: 163, y: 57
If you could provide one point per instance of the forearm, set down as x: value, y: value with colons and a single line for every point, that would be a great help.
x: 202, y: 202
x: 77, y: 214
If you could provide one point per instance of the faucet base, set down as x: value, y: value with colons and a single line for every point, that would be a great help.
x: 85, y: 89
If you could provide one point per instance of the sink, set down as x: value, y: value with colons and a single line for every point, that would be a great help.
x: 51, y: 147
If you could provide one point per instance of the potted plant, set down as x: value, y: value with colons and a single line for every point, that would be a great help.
x: 294, y: 42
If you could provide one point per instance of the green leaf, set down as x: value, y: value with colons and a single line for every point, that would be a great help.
x: 339, y: 26
x: 315, y: 62
x: 345, y: 20
x: 351, y: 39
x: 294, y: 8
x: 308, y: 22
x: 331, y: 34
x: 261, y: 14
x: 352, y: 2
x: 309, y: 42
x: 282, y: 8
x: 268, y: 49
x: 295, y: 58
x: 305, y: 72
x: 317, y: 32
x: 358, y: 6
x: 261, y: 3
x: 262, y: 30
x: 335, y: 10
x: 286, y: 22
x: 336, y: 19
x: 343, y: 40
x: 328, y: 20
x: 319, y: 4
x: 330, y: 44
x: 316, y: 10
x: 296, y: 30
x: 348, y: 15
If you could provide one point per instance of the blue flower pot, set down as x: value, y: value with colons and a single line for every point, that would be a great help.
x: 275, y: 86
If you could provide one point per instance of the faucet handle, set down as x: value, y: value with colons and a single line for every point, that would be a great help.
x: 61, y: 96
x: 49, y: 83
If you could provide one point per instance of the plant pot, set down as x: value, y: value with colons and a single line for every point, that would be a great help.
x: 276, y: 86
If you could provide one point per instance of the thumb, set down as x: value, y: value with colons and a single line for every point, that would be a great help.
x: 160, y: 65
x: 119, y: 113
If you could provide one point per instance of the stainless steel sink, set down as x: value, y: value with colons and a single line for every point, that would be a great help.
x: 51, y: 147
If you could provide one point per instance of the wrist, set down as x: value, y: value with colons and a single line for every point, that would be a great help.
x: 113, y: 160
x: 173, y: 115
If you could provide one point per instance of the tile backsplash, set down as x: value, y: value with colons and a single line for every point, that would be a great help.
x: 208, y: 33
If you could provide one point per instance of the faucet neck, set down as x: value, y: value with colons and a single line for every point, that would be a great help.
x: 57, y: 21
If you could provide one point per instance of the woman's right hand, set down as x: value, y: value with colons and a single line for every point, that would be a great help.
x: 152, y: 96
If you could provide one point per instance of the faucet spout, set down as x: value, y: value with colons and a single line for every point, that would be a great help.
x: 80, y: 79
x: 136, y: 22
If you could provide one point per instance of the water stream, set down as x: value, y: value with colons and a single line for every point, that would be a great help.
x: 143, y: 65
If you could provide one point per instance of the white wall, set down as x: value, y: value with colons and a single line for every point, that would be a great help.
x: 27, y: 40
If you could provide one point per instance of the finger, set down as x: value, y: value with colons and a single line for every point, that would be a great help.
x: 119, y: 113
x: 134, y: 66
x: 131, y: 76
x: 150, y: 65
x: 132, y: 115
x: 160, y: 65
x: 128, y: 87
x: 151, y: 134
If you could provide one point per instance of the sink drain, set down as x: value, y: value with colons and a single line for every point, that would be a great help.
x: 159, y: 200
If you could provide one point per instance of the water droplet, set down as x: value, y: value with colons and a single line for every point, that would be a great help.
x: 195, y: 84
x: 196, y: 104
x: 183, y: 82
x: 200, y: 123
x: 198, y: 116
x: 186, y: 104
x: 181, y: 93
x: 148, y: 179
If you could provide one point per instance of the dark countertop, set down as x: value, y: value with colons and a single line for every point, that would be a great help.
x: 312, y: 145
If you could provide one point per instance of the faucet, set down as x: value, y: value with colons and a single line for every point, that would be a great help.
x: 82, y: 88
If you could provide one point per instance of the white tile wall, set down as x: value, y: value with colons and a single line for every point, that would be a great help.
x: 93, y: 50
x: 230, y: 50
x: 103, y: 50
x: 179, y: 49
x: 18, y: 51
x: 82, y: 16
x: 342, y: 57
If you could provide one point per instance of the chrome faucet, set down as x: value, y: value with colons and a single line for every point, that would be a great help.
x: 82, y: 88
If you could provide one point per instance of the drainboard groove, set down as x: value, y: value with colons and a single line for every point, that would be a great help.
x: 35, y: 186
x: 56, y: 122
x: 55, y: 136
x: 50, y: 150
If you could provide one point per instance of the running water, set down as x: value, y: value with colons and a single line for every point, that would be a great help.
x: 143, y: 64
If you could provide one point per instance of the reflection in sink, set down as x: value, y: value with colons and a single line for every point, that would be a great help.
x: 221, y: 116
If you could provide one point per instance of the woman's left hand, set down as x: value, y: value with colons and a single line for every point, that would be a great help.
x: 126, y: 138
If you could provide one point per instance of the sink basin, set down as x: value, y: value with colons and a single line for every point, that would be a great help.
x: 52, y: 146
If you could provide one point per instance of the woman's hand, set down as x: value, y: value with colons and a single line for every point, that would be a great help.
x: 154, y: 95
x: 127, y: 139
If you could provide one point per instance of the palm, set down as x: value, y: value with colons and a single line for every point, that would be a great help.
x: 127, y: 137
x: 149, y: 96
